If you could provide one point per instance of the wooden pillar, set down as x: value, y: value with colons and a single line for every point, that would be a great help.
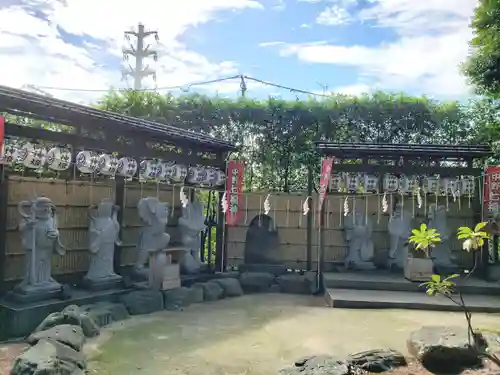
x: 220, y: 238
x: 309, y: 217
x: 4, y: 199
x: 120, y: 202
x: 321, y: 249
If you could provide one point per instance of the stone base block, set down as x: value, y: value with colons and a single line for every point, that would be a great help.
x: 110, y: 282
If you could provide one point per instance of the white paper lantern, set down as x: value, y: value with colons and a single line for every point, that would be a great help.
x: 127, y: 167
x: 179, y: 172
x: 221, y: 178
x: 391, y: 183
x: 212, y: 176
x: 192, y: 176
x: 10, y: 153
x: 59, y: 158
x: 107, y: 164
x: 198, y: 175
x: 336, y: 183
x: 467, y: 186
x: 431, y: 184
x: 370, y: 183
x: 87, y: 161
x: 149, y: 169
x: 34, y: 156
x: 449, y: 185
x: 351, y: 182
x: 165, y: 171
x: 23, y: 152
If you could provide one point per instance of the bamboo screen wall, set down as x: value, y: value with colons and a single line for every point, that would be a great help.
x: 291, y: 224
x: 72, y: 200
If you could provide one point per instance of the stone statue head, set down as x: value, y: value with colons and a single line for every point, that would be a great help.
x: 106, y: 208
x: 193, y: 216
x: 152, y: 211
x: 41, y: 208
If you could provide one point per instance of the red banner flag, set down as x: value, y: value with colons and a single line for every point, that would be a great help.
x: 491, y: 193
x: 234, y: 190
x: 326, y: 173
x: 2, y: 140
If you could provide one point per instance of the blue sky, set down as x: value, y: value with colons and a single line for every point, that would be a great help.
x: 341, y: 46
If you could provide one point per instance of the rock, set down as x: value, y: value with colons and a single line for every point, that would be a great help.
x: 229, y: 275
x: 143, y: 301
x: 104, y: 313
x: 175, y: 299
x: 275, y: 288
x: 212, y: 291
x: 378, y: 360
x: 444, y: 348
x: 72, y: 315
x: 294, y: 283
x: 49, y: 357
x: 66, y: 334
x: 318, y: 365
x: 231, y: 287
x: 196, y: 294
x: 256, y: 281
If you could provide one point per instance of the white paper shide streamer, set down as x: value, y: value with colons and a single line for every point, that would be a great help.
x: 346, y: 206
x: 267, y: 204
x: 183, y: 197
x: 305, y: 206
x: 224, y: 203
x: 385, y: 205
x: 419, y: 198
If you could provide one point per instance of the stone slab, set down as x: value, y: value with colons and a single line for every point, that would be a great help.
x: 377, y: 299
x: 19, y: 320
x: 384, y: 280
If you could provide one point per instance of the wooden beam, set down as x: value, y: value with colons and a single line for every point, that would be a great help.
x: 407, y: 170
x: 137, y: 150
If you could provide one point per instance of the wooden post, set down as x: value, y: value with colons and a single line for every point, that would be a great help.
x: 309, y: 217
x: 4, y: 199
x: 120, y: 202
x: 220, y: 238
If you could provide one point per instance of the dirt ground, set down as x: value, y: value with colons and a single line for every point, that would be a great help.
x: 255, y: 335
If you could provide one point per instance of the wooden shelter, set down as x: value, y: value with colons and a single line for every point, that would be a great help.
x: 81, y: 127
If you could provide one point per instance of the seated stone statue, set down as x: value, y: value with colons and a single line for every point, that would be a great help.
x: 104, y: 230
x: 399, y: 228
x: 191, y: 223
x: 40, y: 239
x: 154, y: 215
x: 441, y: 253
x: 358, y: 235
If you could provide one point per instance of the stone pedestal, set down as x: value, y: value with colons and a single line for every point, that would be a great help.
x: 35, y: 293
x: 103, y: 283
x: 164, y: 275
x: 418, y: 269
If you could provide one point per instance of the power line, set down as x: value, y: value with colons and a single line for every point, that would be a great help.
x: 186, y: 87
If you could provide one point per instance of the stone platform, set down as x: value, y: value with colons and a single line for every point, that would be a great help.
x: 20, y: 319
x: 380, y: 289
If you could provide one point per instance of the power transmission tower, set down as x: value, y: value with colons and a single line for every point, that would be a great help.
x: 140, y: 51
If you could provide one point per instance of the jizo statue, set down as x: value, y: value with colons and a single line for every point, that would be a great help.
x: 358, y: 230
x: 40, y: 239
x: 399, y: 228
x: 104, y: 231
x: 191, y: 223
x: 152, y: 238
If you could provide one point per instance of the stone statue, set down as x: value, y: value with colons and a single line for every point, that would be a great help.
x: 399, y: 228
x: 104, y: 231
x: 40, y: 239
x: 441, y: 253
x: 358, y: 230
x: 152, y: 238
x: 191, y: 223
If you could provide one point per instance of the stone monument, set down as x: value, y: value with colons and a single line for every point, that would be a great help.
x: 358, y: 230
x: 441, y: 253
x: 399, y: 228
x: 40, y: 239
x: 152, y: 239
x: 104, y: 231
x: 191, y: 223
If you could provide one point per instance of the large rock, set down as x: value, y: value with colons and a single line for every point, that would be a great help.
x: 297, y: 283
x: 196, y: 294
x: 212, y: 291
x: 318, y: 365
x: 177, y: 298
x: 378, y: 360
x: 49, y: 357
x: 256, y: 281
x: 71, y: 315
x: 65, y: 334
x: 104, y: 313
x: 444, y: 348
x: 231, y: 287
x: 143, y: 301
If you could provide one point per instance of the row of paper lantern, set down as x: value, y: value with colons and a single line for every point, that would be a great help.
x: 365, y: 183
x: 88, y: 162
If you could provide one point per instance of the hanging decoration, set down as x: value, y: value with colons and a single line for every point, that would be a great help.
x: 127, y: 167
x: 107, y: 164
x: 224, y: 203
x: 183, y: 198
x: 35, y: 158
x: 305, y: 206
x: 336, y: 183
x: 149, y: 170
x: 346, y: 206
x: 370, y: 183
x: 58, y: 158
x: 179, y: 173
x: 385, y: 205
x: 390, y: 183
x: 419, y: 198
x: 87, y: 161
x: 267, y: 205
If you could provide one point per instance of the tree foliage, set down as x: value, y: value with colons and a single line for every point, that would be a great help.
x: 277, y: 136
x: 483, y: 65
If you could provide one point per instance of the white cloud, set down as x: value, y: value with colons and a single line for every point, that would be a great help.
x: 32, y: 50
x: 333, y: 15
x: 432, y: 40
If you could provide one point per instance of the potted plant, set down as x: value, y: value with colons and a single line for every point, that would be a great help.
x: 419, y: 265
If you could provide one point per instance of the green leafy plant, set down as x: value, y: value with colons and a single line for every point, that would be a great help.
x: 425, y: 239
x: 473, y: 239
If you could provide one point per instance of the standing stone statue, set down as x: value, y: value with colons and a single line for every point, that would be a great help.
x: 441, y: 253
x: 154, y: 214
x: 358, y: 230
x: 104, y: 231
x: 40, y: 239
x: 399, y: 228
x: 191, y: 223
